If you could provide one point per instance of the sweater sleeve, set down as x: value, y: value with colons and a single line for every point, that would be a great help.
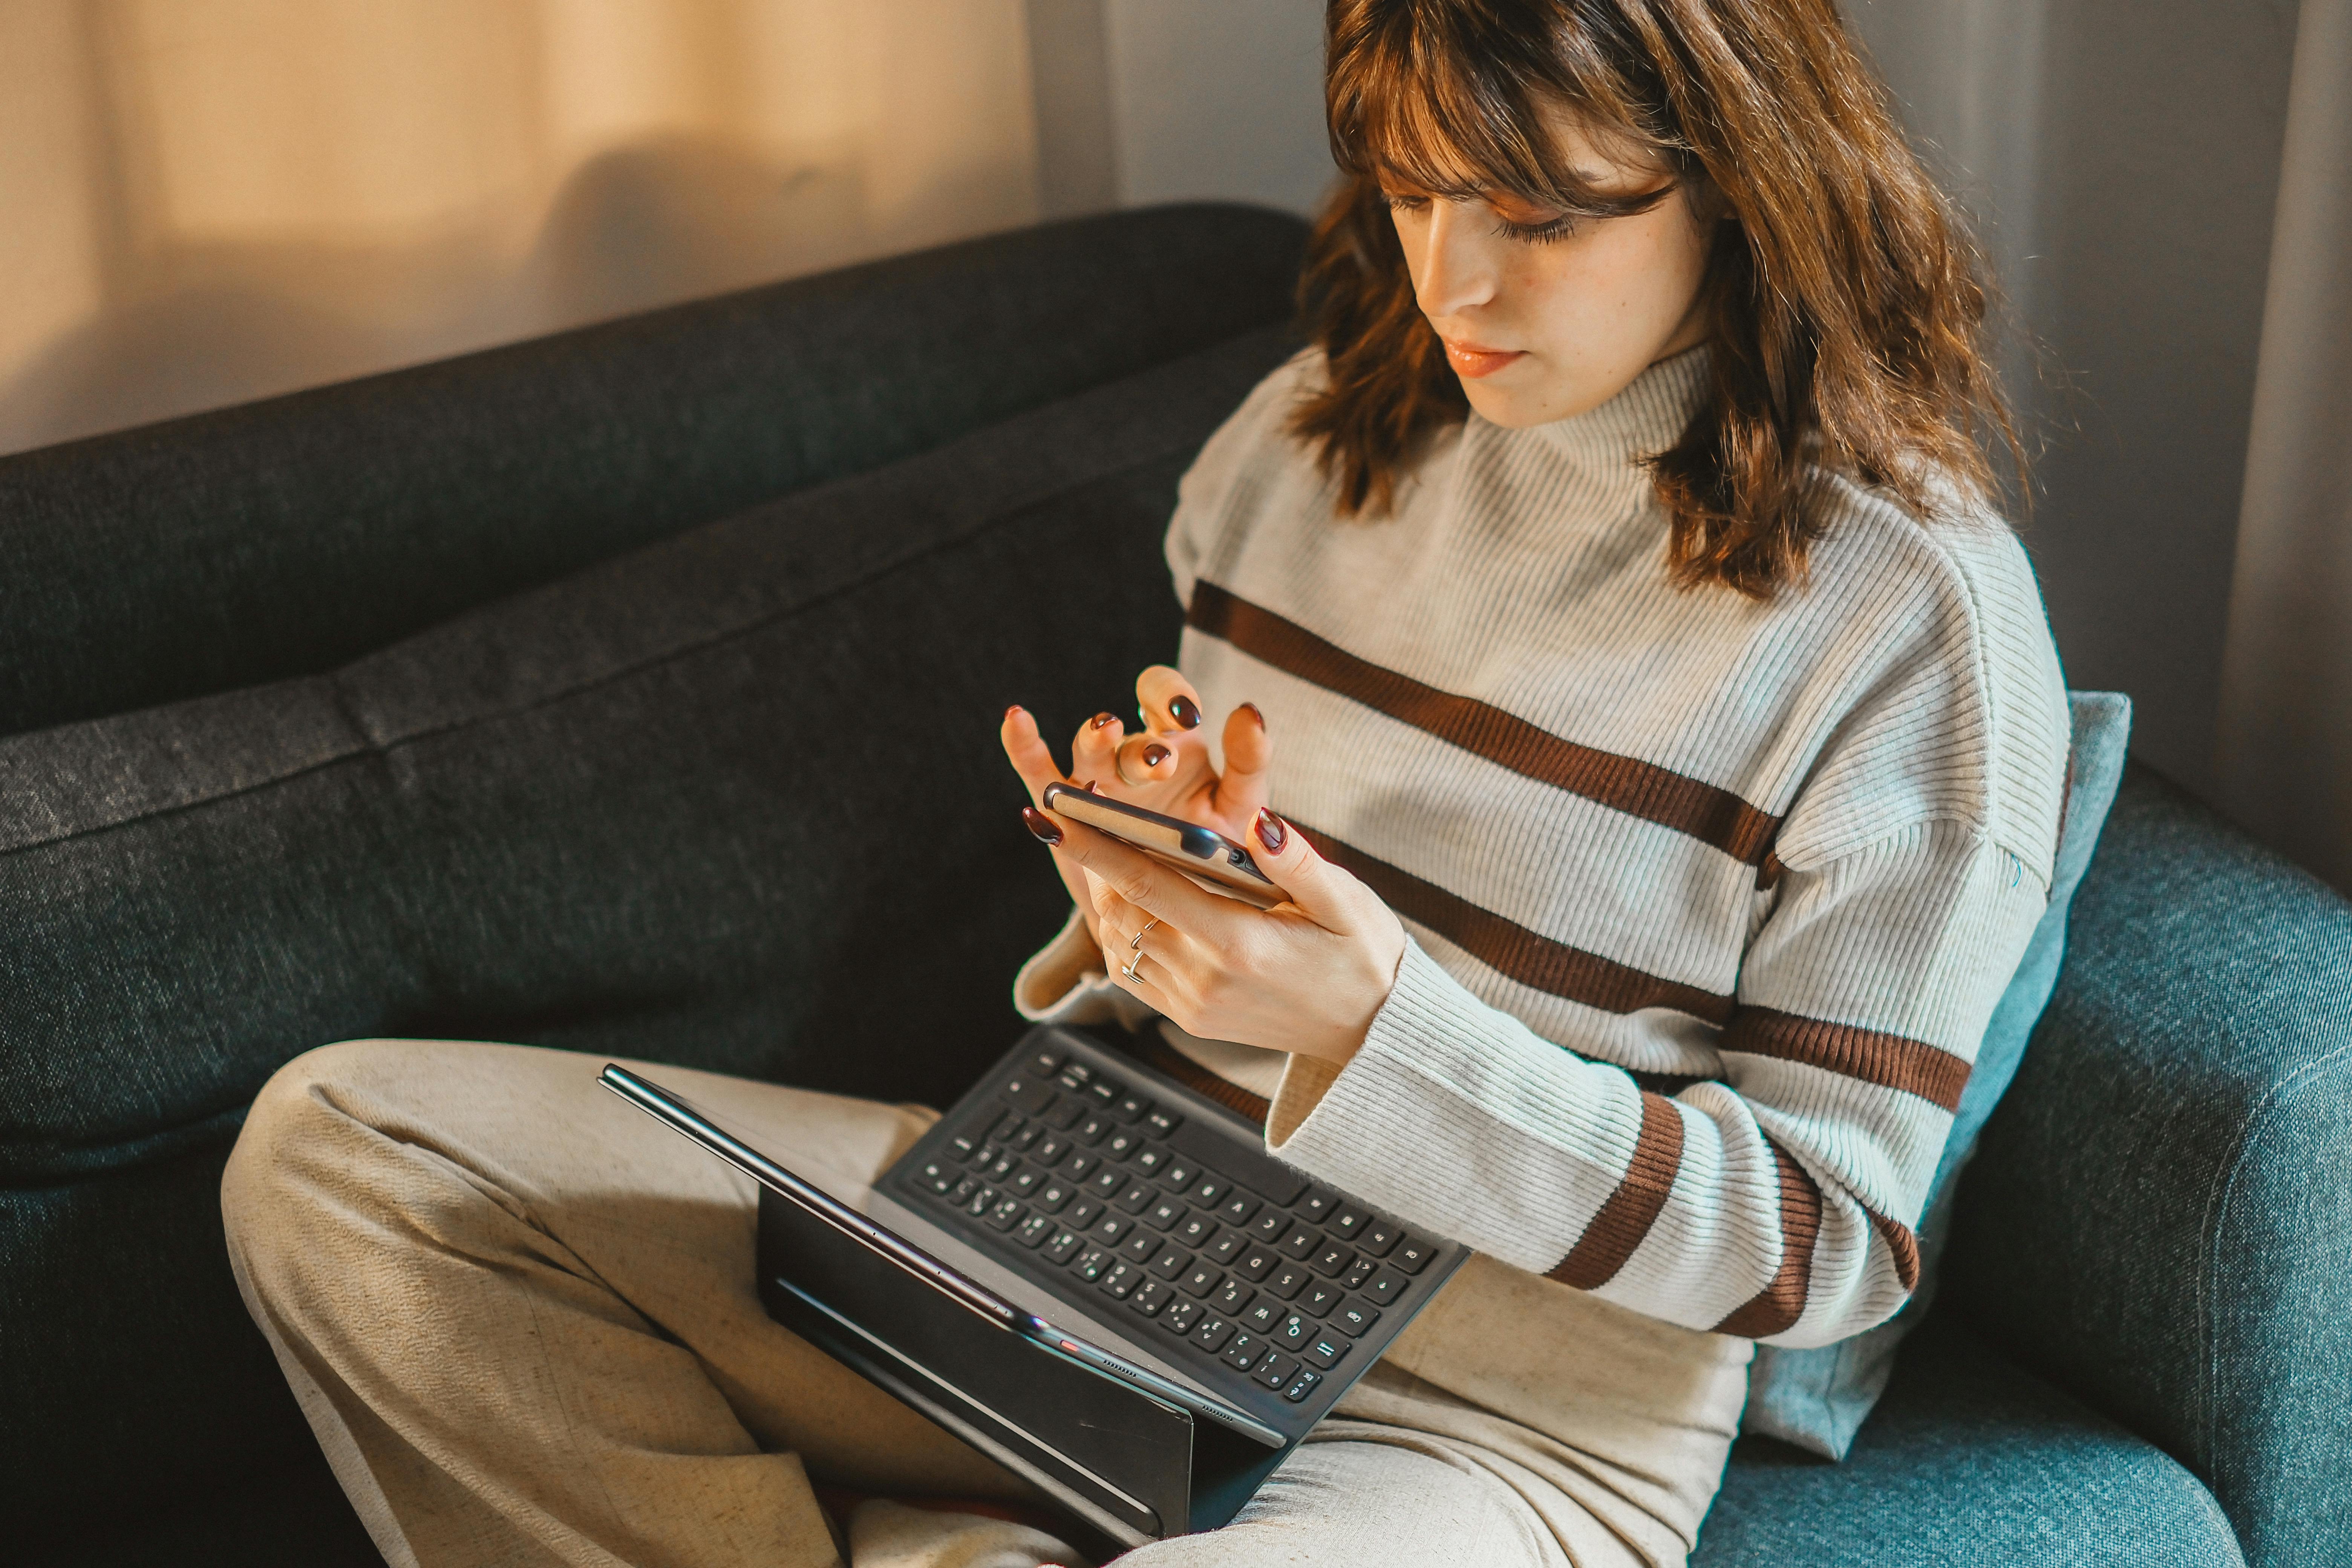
x: 1778, y: 1202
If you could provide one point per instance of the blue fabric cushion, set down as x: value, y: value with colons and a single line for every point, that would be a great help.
x: 1971, y: 1462
x: 1817, y: 1399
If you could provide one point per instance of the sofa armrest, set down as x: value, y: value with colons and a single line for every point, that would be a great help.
x: 2159, y: 1216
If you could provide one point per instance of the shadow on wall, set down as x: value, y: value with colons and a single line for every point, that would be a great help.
x: 645, y: 225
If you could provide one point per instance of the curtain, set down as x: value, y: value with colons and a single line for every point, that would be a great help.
x: 205, y: 201
x: 2287, y: 710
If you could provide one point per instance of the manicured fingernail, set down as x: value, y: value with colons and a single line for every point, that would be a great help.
x: 1271, y: 832
x: 1102, y: 721
x: 1093, y: 788
x: 1154, y: 754
x: 1185, y: 711
x: 1251, y: 709
x: 1039, y: 824
x: 1009, y: 712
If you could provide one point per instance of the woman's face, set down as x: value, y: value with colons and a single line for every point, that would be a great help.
x: 1544, y: 317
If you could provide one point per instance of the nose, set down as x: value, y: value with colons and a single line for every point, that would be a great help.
x: 1455, y: 270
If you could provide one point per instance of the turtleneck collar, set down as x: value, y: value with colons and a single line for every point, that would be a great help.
x: 1645, y: 418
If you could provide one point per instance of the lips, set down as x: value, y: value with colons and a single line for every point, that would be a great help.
x: 1475, y: 359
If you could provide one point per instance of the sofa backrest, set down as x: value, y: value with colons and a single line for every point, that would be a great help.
x: 285, y: 537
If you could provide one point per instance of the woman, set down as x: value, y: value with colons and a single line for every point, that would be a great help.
x: 1672, y: 749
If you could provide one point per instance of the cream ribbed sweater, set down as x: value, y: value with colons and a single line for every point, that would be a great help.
x: 1709, y: 900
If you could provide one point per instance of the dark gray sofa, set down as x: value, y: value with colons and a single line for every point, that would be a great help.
x: 506, y: 698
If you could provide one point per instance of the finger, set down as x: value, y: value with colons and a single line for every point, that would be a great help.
x: 1144, y: 761
x: 1026, y: 750
x: 1094, y: 753
x: 1249, y: 753
x: 1329, y: 896
x: 1144, y: 882
x: 1166, y: 699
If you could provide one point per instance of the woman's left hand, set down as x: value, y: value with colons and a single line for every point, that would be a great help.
x: 1306, y: 976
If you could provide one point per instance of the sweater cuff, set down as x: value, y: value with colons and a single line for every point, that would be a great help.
x: 1064, y: 983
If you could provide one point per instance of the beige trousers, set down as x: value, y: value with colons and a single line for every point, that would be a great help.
x: 521, y: 1317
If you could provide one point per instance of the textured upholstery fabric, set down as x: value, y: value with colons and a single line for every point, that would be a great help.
x: 733, y: 801
x: 284, y: 537
x: 1817, y: 1399
x: 2159, y: 1215
x: 1968, y: 1463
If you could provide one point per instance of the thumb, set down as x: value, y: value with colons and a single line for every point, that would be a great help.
x: 1329, y: 896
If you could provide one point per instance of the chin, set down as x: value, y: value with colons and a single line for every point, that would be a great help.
x: 1514, y: 408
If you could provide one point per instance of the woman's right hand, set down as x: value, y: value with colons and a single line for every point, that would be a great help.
x: 1165, y: 767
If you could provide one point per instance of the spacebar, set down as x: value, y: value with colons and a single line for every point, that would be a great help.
x: 1253, y: 1168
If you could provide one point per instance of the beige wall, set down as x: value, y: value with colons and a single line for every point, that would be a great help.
x: 204, y: 201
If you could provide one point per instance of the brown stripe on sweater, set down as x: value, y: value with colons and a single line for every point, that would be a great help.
x: 1902, y: 1243
x: 1711, y: 814
x: 1776, y: 1309
x: 1890, y: 1061
x: 1159, y: 1054
x: 1625, y: 1216
x: 1528, y: 957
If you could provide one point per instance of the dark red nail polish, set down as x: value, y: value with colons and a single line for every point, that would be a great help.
x: 1039, y: 824
x: 1251, y: 709
x: 1185, y: 711
x: 1271, y: 832
x: 1093, y: 788
x: 1154, y: 754
x: 1102, y: 721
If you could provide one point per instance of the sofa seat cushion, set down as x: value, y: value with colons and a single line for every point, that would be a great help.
x: 1969, y: 1462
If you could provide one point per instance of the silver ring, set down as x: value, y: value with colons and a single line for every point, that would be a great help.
x: 1128, y: 972
x: 1138, y: 943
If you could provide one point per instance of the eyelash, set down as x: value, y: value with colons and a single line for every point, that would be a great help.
x: 1525, y: 233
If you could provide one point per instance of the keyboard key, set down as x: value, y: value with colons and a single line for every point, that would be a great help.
x: 983, y: 1198
x: 1026, y: 1180
x: 1287, y: 1280
x: 1349, y: 1221
x: 1140, y: 1247
x: 1260, y: 1317
x: 1150, y: 1161
x: 1212, y: 1332
x: 987, y: 1156
x: 1226, y: 1248
x: 1197, y: 1230
x: 1378, y: 1237
x: 1110, y: 1230
x: 1053, y: 1195
x: 1045, y: 1064
x: 1299, y: 1387
x: 1074, y: 1076
x: 1302, y: 1244
x: 1359, y: 1274
x: 1093, y: 1128
x: 1275, y: 1369
x: 1325, y: 1349
x: 1091, y: 1264
x: 1165, y: 1215
x: 1413, y: 1255
x: 1200, y: 1280
x: 1008, y: 1212
x: 1232, y: 1296
x: 1178, y: 1176
x: 1030, y: 1093
x: 962, y: 1150
x: 1106, y: 1181
x: 1007, y: 1130
x: 1082, y: 1213
x: 1050, y: 1151
x: 1210, y: 1190
x: 1135, y: 1197
x: 1132, y: 1108
x: 1293, y: 1331
x: 939, y: 1177
x: 1162, y: 1122
x: 1004, y: 1166
x: 1180, y: 1317
x: 1172, y: 1264
x: 1386, y: 1286
x: 1255, y: 1264
x: 1029, y: 1134
x: 1103, y: 1093
x: 1151, y: 1296
x: 1320, y: 1301
x: 1034, y: 1229
x: 1237, y: 1209
x: 1066, y: 1114
x: 1064, y: 1246
x: 961, y: 1192
x: 1243, y: 1352
x: 1316, y: 1205
x: 1269, y: 1227
x: 1079, y: 1165
x: 1121, y: 1144
x: 1120, y: 1279
x: 1333, y: 1261
x: 1355, y: 1318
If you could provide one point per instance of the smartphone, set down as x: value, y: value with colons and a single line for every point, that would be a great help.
x: 1207, y: 856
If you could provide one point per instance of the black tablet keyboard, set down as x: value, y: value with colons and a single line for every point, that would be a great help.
x: 1125, y: 1193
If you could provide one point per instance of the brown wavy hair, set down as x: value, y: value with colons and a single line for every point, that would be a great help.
x: 1845, y: 301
